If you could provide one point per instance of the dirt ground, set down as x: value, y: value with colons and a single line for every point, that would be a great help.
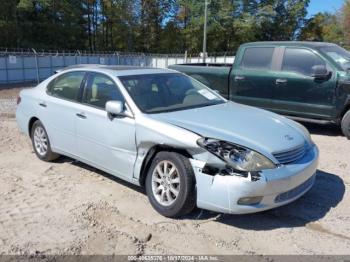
x: 67, y: 207
x: 7, y: 93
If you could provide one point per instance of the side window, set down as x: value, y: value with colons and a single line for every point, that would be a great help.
x: 99, y: 90
x: 300, y: 61
x: 257, y: 58
x: 67, y: 85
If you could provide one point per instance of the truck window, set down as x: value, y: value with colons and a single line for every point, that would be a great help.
x: 257, y: 57
x: 300, y: 61
x: 339, y: 55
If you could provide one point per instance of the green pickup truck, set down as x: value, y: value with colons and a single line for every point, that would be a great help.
x: 306, y: 81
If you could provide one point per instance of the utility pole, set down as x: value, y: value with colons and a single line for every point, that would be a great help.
x: 205, y: 31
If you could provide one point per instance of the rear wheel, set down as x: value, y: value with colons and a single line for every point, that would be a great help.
x: 170, y: 184
x: 345, y: 124
x: 41, y: 142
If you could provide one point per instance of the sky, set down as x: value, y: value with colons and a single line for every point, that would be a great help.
x: 324, y: 5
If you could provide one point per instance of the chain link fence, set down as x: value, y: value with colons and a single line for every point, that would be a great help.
x: 31, y: 66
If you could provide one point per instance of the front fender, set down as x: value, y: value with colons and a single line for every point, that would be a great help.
x: 152, y: 133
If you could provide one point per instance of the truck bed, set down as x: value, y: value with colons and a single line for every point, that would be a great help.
x: 212, y: 75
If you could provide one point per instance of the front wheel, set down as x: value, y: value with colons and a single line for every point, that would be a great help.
x: 41, y: 142
x: 170, y: 184
x: 345, y: 124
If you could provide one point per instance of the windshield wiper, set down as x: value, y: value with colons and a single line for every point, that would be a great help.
x: 183, y: 108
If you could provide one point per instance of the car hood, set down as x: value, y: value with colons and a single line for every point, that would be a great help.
x: 251, y: 127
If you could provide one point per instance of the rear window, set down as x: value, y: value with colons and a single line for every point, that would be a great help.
x: 258, y: 58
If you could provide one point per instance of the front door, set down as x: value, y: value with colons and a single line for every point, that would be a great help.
x: 107, y: 143
x: 297, y: 92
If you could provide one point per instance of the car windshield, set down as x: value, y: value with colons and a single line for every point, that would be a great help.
x: 339, y: 55
x: 157, y: 93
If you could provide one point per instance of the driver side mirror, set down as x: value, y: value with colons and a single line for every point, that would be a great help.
x: 320, y: 72
x: 114, y: 108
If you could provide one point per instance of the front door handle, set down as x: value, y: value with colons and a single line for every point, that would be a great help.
x: 281, y: 81
x: 239, y: 78
x: 42, y: 104
x: 81, y: 115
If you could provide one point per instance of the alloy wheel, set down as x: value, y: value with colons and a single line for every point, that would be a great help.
x: 40, y: 141
x: 165, y: 183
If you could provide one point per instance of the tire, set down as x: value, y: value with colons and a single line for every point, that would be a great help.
x: 41, y: 142
x: 171, y: 205
x: 345, y: 124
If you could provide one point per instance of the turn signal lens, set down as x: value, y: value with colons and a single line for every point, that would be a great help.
x: 249, y: 201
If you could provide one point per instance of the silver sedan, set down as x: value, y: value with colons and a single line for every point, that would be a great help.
x: 168, y: 132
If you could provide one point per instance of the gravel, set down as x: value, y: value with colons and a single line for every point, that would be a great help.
x: 8, y: 101
x: 7, y: 106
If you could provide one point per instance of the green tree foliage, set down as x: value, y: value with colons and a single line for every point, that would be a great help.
x: 232, y: 22
x: 325, y: 27
x: 329, y: 27
x: 49, y: 24
x: 8, y: 23
x: 162, y: 25
x: 152, y: 19
x: 345, y: 16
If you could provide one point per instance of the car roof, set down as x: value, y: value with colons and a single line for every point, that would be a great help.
x: 290, y: 43
x: 118, y: 70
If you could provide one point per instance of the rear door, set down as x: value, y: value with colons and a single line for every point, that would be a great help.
x: 252, y: 77
x: 297, y: 93
x: 107, y: 143
x: 58, y: 111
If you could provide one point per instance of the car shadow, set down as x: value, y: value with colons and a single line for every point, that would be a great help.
x: 326, y: 193
x: 64, y: 159
x: 323, y: 129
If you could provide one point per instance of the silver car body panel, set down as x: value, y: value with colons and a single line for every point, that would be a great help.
x: 264, y: 132
x: 120, y: 146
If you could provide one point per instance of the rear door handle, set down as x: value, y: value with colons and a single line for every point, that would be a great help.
x: 239, y: 78
x: 281, y: 81
x: 42, y: 104
x: 81, y: 115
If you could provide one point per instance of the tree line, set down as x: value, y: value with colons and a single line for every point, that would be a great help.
x: 163, y: 26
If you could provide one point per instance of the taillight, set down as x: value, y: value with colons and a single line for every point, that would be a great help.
x: 18, y: 100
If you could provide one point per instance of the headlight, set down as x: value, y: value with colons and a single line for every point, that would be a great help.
x: 238, y: 157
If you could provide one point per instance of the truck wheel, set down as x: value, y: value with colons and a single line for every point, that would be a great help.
x: 170, y: 184
x: 345, y: 124
x: 41, y: 143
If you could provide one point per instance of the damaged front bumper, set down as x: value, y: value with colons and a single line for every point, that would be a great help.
x: 274, y: 187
